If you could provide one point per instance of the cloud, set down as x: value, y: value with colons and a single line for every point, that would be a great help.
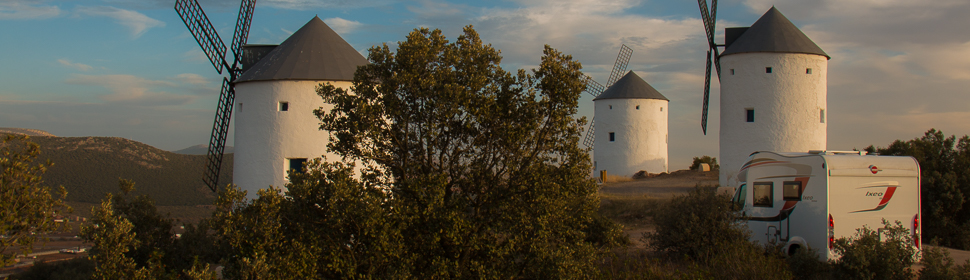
x: 136, y: 22
x: 129, y: 89
x: 192, y: 79
x: 76, y: 66
x: 342, y: 26
x: 17, y: 9
x: 324, y: 4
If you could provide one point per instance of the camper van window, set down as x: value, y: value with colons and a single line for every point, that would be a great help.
x: 740, y: 195
x: 762, y: 194
x: 792, y: 190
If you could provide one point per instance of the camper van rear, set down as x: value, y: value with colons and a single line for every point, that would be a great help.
x: 807, y: 200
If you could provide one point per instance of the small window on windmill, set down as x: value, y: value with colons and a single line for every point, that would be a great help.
x: 611, y: 107
x: 661, y: 109
x: 749, y: 114
x: 284, y: 106
x: 240, y: 108
x: 612, y: 136
x: 638, y: 107
x: 768, y: 70
x: 297, y: 164
x: 808, y: 70
x: 821, y: 115
x: 732, y: 71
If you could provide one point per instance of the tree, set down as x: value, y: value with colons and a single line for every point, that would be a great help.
x: 481, y: 166
x: 710, y: 161
x: 28, y: 209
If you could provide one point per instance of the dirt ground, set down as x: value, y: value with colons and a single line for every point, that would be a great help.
x: 666, y: 186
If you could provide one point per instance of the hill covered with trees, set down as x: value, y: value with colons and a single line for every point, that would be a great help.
x: 89, y: 167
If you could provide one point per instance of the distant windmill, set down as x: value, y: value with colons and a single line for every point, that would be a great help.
x: 201, y: 28
x: 708, y: 17
x: 595, y: 89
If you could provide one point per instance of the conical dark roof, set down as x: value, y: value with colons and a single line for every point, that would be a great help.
x: 315, y: 52
x: 631, y: 86
x: 773, y: 32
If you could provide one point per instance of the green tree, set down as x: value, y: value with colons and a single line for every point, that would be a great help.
x: 111, y: 237
x: 711, y: 161
x: 132, y: 240
x: 27, y: 207
x: 481, y: 166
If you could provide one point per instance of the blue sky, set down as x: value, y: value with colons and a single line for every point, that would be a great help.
x: 129, y: 68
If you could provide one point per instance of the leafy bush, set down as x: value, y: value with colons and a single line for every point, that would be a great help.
x: 712, y: 161
x: 696, y: 225
x: 865, y: 256
x: 937, y: 264
x: 804, y: 264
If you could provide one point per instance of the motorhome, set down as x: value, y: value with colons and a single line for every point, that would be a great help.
x: 808, y: 200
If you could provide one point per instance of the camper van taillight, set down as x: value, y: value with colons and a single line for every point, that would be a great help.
x: 916, y: 234
x: 831, y: 233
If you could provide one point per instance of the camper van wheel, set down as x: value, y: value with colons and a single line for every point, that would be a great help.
x: 793, y: 249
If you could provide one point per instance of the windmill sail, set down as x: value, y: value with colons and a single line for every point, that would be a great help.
x: 212, y: 45
x: 594, y: 88
x: 709, y: 17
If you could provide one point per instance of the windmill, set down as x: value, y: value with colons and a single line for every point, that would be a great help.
x: 595, y: 89
x: 201, y: 28
x: 708, y: 16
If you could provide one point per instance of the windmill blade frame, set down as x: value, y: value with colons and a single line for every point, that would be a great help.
x: 241, y: 34
x: 201, y: 28
x: 709, y: 17
x: 622, y: 60
x: 593, y: 87
x: 215, y: 49
x: 217, y: 139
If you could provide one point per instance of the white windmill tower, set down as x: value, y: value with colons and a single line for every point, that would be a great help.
x: 631, y: 132
x: 631, y: 123
x: 276, y: 129
x: 773, y: 90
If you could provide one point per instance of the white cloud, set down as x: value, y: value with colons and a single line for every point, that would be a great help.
x: 342, y: 26
x: 16, y: 9
x: 324, y: 4
x: 129, y: 89
x: 76, y: 66
x: 192, y: 79
x: 136, y: 22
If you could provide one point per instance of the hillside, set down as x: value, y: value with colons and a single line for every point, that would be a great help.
x: 88, y: 167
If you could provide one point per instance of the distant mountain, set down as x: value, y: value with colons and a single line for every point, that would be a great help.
x: 200, y: 149
x: 25, y: 131
x: 89, y: 167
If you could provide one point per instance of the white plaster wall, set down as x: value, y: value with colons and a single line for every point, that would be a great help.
x: 786, y: 103
x: 265, y: 138
x: 640, y: 136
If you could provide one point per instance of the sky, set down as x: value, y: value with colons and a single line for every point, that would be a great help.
x: 130, y: 68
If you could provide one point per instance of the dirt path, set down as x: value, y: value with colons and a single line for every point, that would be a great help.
x: 662, y: 186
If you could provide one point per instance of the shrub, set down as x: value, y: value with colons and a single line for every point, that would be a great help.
x: 712, y: 161
x: 864, y: 256
x: 696, y: 225
x: 804, y: 264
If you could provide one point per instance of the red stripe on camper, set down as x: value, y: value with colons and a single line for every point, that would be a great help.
x: 888, y: 196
